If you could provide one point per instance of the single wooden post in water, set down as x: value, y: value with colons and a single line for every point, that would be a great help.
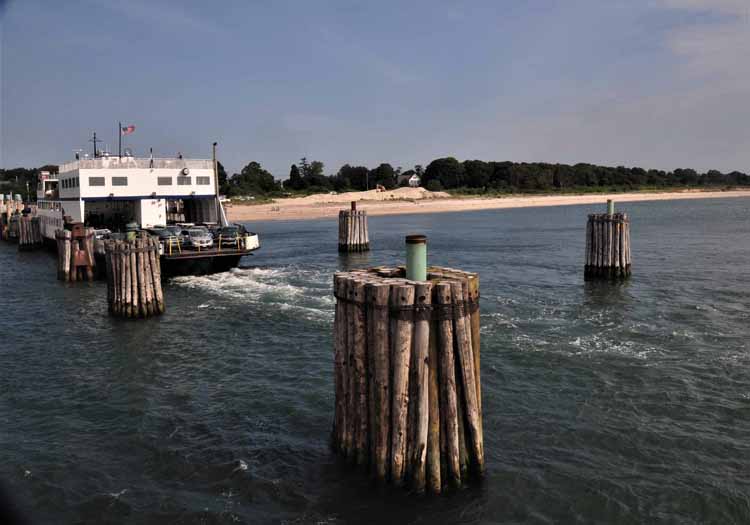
x: 353, y: 232
x: 404, y: 408
x: 607, y: 253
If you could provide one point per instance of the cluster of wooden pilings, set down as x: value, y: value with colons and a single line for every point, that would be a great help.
x: 353, y: 234
x: 134, y: 278
x: 75, y: 254
x: 607, y: 246
x: 407, y: 380
x: 29, y: 233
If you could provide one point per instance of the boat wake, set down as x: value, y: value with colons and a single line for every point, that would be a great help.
x: 300, y: 291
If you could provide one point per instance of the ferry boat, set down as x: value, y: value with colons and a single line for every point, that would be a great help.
x: 118, y: 193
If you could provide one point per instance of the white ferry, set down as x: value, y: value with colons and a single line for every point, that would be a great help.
x: 110, y: 192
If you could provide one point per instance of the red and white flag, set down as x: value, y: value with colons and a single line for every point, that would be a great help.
x: 127, y: 130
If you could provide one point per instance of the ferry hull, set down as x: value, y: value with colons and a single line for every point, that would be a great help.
x: 203, y: 265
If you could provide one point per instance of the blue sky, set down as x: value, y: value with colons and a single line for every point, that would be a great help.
x: 651, y: 83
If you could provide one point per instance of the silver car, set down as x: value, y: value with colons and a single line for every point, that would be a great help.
x: 200, y: 238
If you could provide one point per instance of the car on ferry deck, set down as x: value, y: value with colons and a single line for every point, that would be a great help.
x: 228, y: 235
x: 199, y: 238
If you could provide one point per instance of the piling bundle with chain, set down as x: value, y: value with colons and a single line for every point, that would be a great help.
x: 353, y: 233
x: 607, y: 246
x: 134, y: 278
x: 75, y: 255
x: 407, y: 381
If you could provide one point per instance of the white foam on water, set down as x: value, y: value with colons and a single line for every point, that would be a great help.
x: 289, y: 288
x: 599, y: 344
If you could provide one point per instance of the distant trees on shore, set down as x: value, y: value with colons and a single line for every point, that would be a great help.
x: 447, y: 173
x: 477, y: 177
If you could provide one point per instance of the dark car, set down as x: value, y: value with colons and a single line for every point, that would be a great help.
x: 166, y: 236
x: 230, y: 234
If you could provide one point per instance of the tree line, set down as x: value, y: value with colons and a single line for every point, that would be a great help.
x: 447, y: 173
x: 473, y: 176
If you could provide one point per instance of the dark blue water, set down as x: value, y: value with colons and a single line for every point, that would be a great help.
x: 602, y: 402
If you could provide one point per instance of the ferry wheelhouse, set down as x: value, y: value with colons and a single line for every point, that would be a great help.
x: 113, y: 193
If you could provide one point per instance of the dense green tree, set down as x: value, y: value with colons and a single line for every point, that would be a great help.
x: 448, y: 171
x: 295, y: 181
x: 384, y: 175
x: 352, y: 177
x: 253, y: 180
x: 223, y: 179
x: 477, y: 173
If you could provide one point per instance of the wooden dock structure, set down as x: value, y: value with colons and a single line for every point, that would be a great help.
x: 607, y: 246
x: 134, y: 278
x: 75, y: 254
x: 407, y: 376
x: 353, y: 232
x: 29, y: 233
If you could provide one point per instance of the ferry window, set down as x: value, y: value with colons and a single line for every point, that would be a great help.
x: 119, y: 181
x: 164, y: 181
x: 183, y: 181
x: 78, y: 182
x: 203, y: 181
x: 96, y: 181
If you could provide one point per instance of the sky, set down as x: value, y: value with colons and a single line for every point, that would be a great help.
x: 650, y: 83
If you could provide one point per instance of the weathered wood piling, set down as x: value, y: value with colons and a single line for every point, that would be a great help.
x: 75, y: 254
x: 353, y: 232
x: 134, y: 278
x: 407, y: 382
x: 29, y: 233
x: 607, y: 245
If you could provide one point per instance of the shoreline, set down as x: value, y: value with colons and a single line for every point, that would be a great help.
x: 324, y: 206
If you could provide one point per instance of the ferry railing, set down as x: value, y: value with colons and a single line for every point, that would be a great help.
x: 132, y: 162
x: 174, y: 241
x: 237, y: 241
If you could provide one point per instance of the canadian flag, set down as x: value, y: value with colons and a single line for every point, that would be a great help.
x: 127, y: 130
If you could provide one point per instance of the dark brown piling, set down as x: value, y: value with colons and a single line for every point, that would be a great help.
x: 607, y: 253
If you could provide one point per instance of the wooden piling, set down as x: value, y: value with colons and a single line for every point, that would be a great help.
x: 133, y: 278
x: 29, y: 233
x: 607, y: 254
x: 418, y: 460
x: 406, y: 376
x: 353, y: 230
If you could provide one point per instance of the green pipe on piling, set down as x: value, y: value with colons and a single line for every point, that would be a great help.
x: 610, y: 207
x: 416, y: 257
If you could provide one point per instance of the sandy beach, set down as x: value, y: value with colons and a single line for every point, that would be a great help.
x: 418, y: 200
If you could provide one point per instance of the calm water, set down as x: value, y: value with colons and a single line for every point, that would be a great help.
x: 603, y: 402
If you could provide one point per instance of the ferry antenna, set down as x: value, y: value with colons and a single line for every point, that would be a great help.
x: 94, y: 140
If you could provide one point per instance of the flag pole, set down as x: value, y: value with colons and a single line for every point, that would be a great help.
x: 119, y: 139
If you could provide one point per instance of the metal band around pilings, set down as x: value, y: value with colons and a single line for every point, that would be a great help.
x: 421, y: 312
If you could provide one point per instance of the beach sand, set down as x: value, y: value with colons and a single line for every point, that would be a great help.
x: 418, y: 200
